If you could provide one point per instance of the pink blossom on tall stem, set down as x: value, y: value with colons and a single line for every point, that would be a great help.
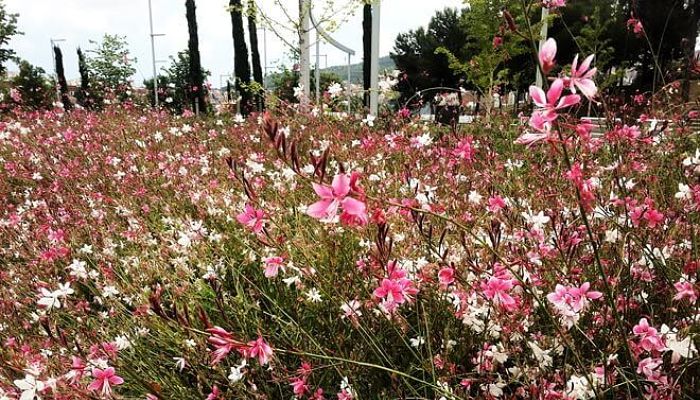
x: 223, y: 343
x: 272, y: 266
x: 335, y: 196
x: 553, y: 100
x: 104, y: 380
x: 215, y: 393
x: 252, y: 218
x: 548, y: 55
x: 496, y: 290
x: 649, y: 336
x: 259, y: 349
x: 581, y: 77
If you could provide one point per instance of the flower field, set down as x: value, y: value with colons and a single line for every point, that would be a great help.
x: 296, y: 255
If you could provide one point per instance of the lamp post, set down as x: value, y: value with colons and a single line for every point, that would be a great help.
x: 153, y: 54
x: 55, y: 67
x: 539, y: 79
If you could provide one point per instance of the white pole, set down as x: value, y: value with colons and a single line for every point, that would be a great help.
x: 318, y: 69
x: 304, y: 59
x: 374, y: 60
x: 347, y: 86
x: 539, y: 79
x: 153, y: 56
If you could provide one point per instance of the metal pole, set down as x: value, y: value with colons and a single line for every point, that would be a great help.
x: 539, y: 79
x: 317, y: 73
x: 153, y: 56
x: 347, y: 86
x: 374, y: 60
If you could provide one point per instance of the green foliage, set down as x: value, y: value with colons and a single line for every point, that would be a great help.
x: 174, y: 83
x: 8, y: 29
x: 415, y: 53
x: 111, y: 66
x: 36, y: 90
x: 285, y: 81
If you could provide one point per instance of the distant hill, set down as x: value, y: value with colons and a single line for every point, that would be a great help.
x: 385, y: 63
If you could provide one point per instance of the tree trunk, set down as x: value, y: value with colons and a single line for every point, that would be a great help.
x: 304, y: 51
x: 62, y: 84
x: 196, y: 78
x: 255, y: 54
x: 694, y: 10
x: 366, y: 50
x: 241, y: 67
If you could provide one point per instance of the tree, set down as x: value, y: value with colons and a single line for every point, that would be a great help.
x: 196, y: 79
x: 110, y: 65
x: 173, y: 84
x: 8, y: 29
x: 285, y: 81
x: 60, y: 74
x: 85, y: 96
x: 366, y: 49
x: 36, y: 90
x: 241, y: 68
x: 415, y: 54
x: 255, y: 53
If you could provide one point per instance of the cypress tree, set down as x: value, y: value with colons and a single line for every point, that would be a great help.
x: 366, y: 48
x: 196, y: 77
x: 62, y: 84
x: 83, y: 94
x: 255, y: 53
x: 241, y: 67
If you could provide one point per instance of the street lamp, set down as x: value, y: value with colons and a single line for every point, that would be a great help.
x: 55, y: 67
x: 153, y: 54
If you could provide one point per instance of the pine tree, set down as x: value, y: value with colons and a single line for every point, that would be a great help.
x: 62, y: 83
x: 241, y: 66
x: 255, y: 54
x: 196, y: 79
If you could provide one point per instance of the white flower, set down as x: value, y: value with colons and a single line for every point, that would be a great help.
x: 109, y: 291
x: 612, y: 236
x: 335, y: 89
x: 578, y: 388
x: 299, y: 92
x: 351, y: 308
x: 417, y: 341
x: 369, y: 120
x: 180, y: 363
x: 237, y: 372
x: 684, y: 192
x: 680, y: 348
x: 29, y: 387
x: 475, y: 197
x: 542, y: 356
x: 313, y: 295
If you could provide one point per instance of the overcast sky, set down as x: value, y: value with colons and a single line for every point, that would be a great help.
x: 78, y: 21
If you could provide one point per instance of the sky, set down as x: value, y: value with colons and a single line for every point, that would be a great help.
x: 79, y: 21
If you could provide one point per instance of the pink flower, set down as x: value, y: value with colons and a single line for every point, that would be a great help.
x: 259, y: 349
x: 252, y: 218
x: 464, y: 149
x: 636, y: 26
x: 496, y: 204
x: 581, y: 77
x: 685, y: 290
x: 335, y: 196
x: 553, y: 4
x: 215, y: 392
x: 104, y: 379
x: 553, y: 101
x: 649, y: 337
x: 446, y: 276
x: 496, y: 290
x: 548, y: 55
x: 572, y: 299
x: 272, y: 266
x: 395, y: 290
x: 223, y: 343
